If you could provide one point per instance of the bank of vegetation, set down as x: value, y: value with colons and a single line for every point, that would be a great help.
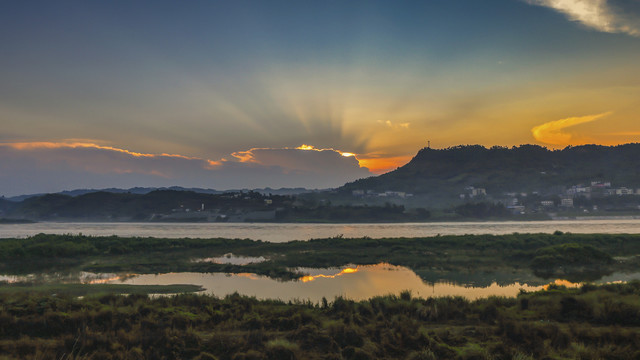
x: 577, y: 257
x: 592, y: 322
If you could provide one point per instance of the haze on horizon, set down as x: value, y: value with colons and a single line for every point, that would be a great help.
x: 314, y: 94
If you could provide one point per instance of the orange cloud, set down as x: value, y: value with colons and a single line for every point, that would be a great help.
x: 552, y: 132
x: 245, y: 156
x: 75, y: 145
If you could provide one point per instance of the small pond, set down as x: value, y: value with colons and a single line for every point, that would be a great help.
x: 353, y: 282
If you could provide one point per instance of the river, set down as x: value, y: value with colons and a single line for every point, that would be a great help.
x: 287, y: 232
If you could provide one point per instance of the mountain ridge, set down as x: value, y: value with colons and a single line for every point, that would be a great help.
x: 527, y: 168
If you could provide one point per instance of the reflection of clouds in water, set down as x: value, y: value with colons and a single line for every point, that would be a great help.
x: 359, y: 283
x: 354, y: 282
x: 344, y: 271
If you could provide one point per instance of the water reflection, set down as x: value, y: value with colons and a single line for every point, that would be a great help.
x: 307, y: 278
x: 359, y: 283
x: 354, y: 282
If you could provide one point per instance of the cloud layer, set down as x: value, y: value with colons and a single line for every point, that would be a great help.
x: 32, y: 167
x: 601, y: 15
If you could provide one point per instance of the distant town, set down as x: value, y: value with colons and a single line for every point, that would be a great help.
x: 592, y: 198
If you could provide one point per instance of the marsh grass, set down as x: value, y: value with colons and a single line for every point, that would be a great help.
x: 590, y: 322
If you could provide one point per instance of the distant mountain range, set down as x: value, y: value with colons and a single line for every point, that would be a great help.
x: 445, y: 173
x: 171, y: 205
x: 149, y: 204
x: 146, y: 190
x: 435, y: 177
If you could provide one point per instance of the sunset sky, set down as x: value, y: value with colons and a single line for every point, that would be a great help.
x: 233, y: 94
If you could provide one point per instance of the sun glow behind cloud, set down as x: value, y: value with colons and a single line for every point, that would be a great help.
x: 375, y: 162
x: 313, y: 148
x: 79, y: 164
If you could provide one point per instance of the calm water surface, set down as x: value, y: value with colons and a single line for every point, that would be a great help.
x: 287, y: 232
x: 352, y: 282
x: 356, y: 283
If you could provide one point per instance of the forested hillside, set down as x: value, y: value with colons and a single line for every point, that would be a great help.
x: 526, y: 168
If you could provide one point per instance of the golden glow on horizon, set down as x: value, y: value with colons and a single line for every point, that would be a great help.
x: 344, y: 271
x: 376, y: 164
x: 381, y: 165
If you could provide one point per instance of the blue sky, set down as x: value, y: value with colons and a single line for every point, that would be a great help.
x: 377, y: 79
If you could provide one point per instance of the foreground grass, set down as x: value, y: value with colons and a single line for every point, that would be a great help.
x: 588, y: 323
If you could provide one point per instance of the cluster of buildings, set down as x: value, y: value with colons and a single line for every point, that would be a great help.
x: 183, y: 213
x: 587, y: 197
x: 599, y: 189
x: 473, y: 192
x: 388, y: 193
x: 565, y: 198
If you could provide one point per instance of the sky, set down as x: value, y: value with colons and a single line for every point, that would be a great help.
x: 250, y: 94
